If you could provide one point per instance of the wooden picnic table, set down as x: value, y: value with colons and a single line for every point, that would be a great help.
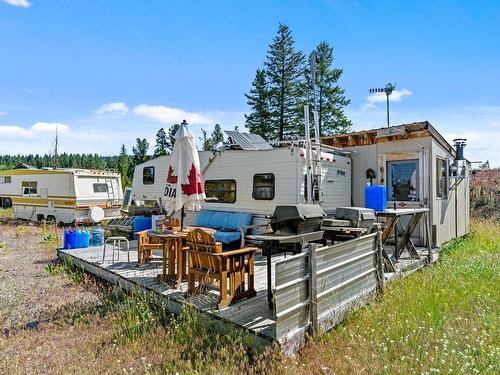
x: 393, y: 216
x: 173, y: 249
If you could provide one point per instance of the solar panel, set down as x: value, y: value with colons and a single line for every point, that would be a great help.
x: 247, y: 141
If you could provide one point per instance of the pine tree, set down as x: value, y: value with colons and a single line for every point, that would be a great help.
x: 330, y: 98
x: 217, y: 135
x: 171, y: 137
x: 140, y: 151
x: 284, y: 68
x: 161, y: 143
x: 124, y: 166
x: 208, y: 143
x: 259, y: 119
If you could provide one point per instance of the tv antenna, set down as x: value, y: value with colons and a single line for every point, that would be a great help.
x: 388, y: 89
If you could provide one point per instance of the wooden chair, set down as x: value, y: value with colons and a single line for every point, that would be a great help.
x: 208, y: 261
x: 146, y: 245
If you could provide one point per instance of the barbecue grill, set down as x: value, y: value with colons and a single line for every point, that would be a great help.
x: 297, y: 219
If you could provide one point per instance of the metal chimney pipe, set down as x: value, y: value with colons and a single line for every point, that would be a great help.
x: 460, y: 143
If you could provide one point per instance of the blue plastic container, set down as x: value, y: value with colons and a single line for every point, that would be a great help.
x: 70, y: 239
x: 82, y: 238
x: 141, y: 223
x: 376, y: 197
x: 97, y: 236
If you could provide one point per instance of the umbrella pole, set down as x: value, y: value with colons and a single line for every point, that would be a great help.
x: 182, y: 218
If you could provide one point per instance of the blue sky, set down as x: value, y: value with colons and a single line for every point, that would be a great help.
x: 111, y: 71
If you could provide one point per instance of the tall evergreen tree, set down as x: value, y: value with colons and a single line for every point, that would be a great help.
x: 171, y: 137
x: 330, y: 98
x: 217, y: 135
x: 284, y: 70
x: 124, y: 166
x: 140, y: 151
x: 209, y: 142
x: 161, y: 143
x: 259, y: 119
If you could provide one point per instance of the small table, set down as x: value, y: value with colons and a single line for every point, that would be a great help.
x: 393, y: 216
x: 275, y: 244
x: 172, y: 247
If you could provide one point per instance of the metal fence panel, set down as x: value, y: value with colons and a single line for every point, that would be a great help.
x: 346, y: 274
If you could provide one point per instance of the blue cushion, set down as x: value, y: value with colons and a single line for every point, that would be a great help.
x: 222, y: 219
x: 227, y: 237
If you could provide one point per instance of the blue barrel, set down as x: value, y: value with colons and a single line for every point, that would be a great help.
x: 82, y: 238
x: 97, y: 236
x: 141, y: 223
x: 70, y: 239
x: 376, y: 197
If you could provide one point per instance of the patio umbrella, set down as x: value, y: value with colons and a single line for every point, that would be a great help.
x: 184, y: 188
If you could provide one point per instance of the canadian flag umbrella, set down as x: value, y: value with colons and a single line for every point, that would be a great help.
x: 184, y: 186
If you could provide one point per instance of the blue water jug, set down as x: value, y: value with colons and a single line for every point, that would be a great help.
x: 70, y: 239
x: 97, y: 236
x: 82, y: 238
x: 376, y: 197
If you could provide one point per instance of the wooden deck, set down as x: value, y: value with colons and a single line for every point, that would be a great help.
x: 253, y: 315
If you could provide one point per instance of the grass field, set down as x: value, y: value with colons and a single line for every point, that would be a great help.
x: 443, y: 319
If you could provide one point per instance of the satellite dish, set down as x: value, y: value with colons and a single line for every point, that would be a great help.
x: 96, y: 214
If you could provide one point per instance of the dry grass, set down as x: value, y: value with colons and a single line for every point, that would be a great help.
x: 443, y: 319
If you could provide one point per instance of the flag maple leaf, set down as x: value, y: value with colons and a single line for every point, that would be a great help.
x: 195, y: 185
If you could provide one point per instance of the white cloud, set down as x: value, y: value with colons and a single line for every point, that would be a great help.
x: 15, y: 131
x: 50, y: 127
x: 170, y: 115
x: 18, y: 3
x: 29, y: 91
x: 2, y: 113
x: 380, y: 97
x: 117, y: 107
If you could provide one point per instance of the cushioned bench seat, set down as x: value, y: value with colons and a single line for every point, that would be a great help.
x: 226, y: 224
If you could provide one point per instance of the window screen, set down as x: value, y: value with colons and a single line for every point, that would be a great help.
x: 29, y: 188
x: 263, y: 186
x: 402, y: 180
x: 100, y: 188
x: 148, y: 175
x: 221, y: 191
x: 441, y: 178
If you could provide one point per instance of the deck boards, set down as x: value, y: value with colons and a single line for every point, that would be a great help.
x: 252, y: 314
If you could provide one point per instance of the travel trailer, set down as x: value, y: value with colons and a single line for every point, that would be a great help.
x: 419, y: 168
x: 61, y: 195
x: 254, y: 181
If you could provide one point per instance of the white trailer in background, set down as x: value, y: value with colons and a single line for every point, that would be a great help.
x: 253, y: 181
x: 61, y: 195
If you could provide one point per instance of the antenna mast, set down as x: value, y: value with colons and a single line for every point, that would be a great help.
x: 56, y: 144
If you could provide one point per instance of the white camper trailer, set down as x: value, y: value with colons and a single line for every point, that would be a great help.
x: 61, y: 195
x: 253, y: 181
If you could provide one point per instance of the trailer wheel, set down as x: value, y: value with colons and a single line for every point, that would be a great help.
x: 51, y: 218
x: 39, y: 217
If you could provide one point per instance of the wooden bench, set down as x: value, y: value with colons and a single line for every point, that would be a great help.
x: 208, y: 262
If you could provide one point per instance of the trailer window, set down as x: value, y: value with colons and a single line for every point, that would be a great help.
x: 148, y: 175
x: 441, y: 178
x: 402, y: 180
x: 263, y: 186
x: 5, y: 179
x: 29, y: 188
x: 100, y: 188
x: 220, y: 191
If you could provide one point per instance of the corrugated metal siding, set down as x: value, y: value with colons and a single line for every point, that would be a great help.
x: 345, y: 272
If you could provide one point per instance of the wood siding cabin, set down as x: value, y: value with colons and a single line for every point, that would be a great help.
x: 410, y: 152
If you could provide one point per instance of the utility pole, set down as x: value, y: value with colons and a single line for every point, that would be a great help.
x: 56, y: 144
x: 388, y: 89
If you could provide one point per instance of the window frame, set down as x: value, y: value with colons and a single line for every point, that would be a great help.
x: 440, y: 163
x: 100, y: 184
x: 266, y: 187
x: 32, y: 187
x: 388, y: 176
x: 151, y: 167
x: 231, y: 180
x: 5, y: 179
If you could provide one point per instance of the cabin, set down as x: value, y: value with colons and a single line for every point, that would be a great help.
x: 60, y: 195
x: 418, y: 167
